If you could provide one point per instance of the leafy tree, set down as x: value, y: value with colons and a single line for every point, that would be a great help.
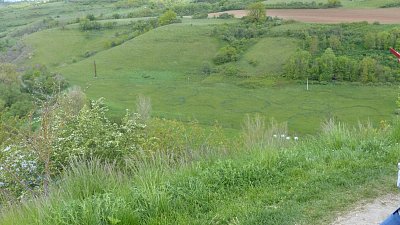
x: 334, y: 42
x: 167, y: 18
x: 313, y: 43
x: 383, y: 40
x: 42, y: 84
x: 327, y: 65
x: 333, y: 3
x: 367, y: 69
x: 346, y: 69
x: 370, y: 40
x: 256, y: 12
x: 13, y: 102
x: 298, y: 65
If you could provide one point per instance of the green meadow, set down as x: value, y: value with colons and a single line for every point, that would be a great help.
x: 166, y: 63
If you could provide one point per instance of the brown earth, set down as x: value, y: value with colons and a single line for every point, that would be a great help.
x: 370, y: 212
x: 384, y: 16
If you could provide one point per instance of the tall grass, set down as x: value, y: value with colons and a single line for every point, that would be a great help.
x: 257, y: 135
x: 296, y: 185
x: 143, y: 107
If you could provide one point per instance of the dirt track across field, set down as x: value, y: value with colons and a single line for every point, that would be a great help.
x: 384, y: 16
x: 370, y: 213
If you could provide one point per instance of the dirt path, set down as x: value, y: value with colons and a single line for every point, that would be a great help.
x: 385, y: 16
x: 370, y: 212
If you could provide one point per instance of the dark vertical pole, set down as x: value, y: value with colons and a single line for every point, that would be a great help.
x: 95, y: 71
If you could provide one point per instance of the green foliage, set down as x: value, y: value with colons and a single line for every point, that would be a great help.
x: 86, y: 24
x: 91, y: 134
x: 333, y: 3
x: 13, y: 101
x: 298, y: 65
x: 256, y: 12
x: 226, y: 54
x: 327, y: 65
x: 41, y: 83
x: 90, y: 17
x: 167, y: 18
x: 353, y: 54
x: 110, y: 25
x: 225, y: 16
x: 305, y: 5
x: 116, y: 16
x: 339, y: 160
x: 200, y: 16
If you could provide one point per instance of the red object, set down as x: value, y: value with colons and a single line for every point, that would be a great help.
x: 394, y: 52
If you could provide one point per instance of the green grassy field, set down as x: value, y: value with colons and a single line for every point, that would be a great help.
x: 165, y: 64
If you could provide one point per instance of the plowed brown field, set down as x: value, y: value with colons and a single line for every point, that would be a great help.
x: 386, y: 16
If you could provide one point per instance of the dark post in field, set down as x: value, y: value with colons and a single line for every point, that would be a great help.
x: 95, y: 71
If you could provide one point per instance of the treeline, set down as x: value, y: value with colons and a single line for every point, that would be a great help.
x: 391, y: 5
x: 328, y: 67
x: 238, y: 37
x: 305, y: 5
x: 345, y: 52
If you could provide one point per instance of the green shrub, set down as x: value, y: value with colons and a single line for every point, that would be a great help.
x: 200, y: 16
x: 230, y: 70
x: 86, y: 24
x: 226, y: 54
x: 167, y: 18
x: 225, y: 16
x: 90, y: 17
x: 116, y: 16
x: 109, y: 25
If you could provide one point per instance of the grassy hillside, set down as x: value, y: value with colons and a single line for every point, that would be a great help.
x: 165, y: 64
x: 56, y: 47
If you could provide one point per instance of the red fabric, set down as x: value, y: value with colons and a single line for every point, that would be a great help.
x: 394, y: 52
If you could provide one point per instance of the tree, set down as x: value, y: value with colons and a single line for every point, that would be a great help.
x: 327, y: 65
x: 167, y: 18
x: 334, y: 3
x: 298, y: 65
x: 313, y: 43
x: 370, y: 40
x: 256, y: 12
x: 334, y: 42
x: 367, y: 69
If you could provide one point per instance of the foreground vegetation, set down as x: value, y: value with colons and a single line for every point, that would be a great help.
x: 268, y: 180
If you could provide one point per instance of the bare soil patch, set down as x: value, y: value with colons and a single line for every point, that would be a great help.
x: 384, y: 16
x: 370, y: 212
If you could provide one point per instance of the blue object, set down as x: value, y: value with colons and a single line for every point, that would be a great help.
x: 393, y: 219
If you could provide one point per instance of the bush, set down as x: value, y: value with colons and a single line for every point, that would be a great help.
x: 206, y: 68
x: 90, y: 17
x: 226, y: 54
x: 86, y: 24
x: 116, y: 16
x: 225, y: 16
x: 230, y: 70
x: 167, y: 18
x: 110, y: 25
x: 200, y: 16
